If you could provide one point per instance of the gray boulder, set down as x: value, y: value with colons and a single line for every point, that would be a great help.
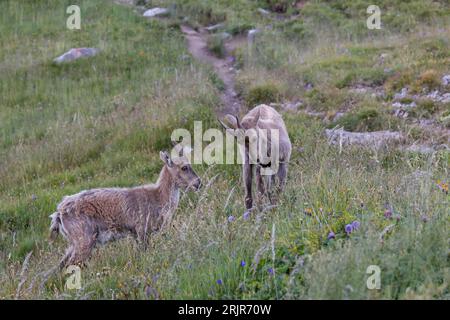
x: 150, y: 13
x: 76, y: 53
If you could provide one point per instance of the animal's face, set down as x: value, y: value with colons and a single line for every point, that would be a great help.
x: 182, y: 172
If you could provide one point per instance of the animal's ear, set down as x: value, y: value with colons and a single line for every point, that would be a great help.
x: 233, y: 122
x: 165, y: 157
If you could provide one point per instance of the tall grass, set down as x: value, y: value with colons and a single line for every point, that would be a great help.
x: 101, y: 122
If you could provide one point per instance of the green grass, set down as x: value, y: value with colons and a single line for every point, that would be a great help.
x: 101, y: 122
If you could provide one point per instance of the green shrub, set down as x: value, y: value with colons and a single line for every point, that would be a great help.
x: 363, y: 76
x: 216, y: 44
x: 324, y: 99
x: 366, y: 119
x: 429, y: 79
x: 265, y: 93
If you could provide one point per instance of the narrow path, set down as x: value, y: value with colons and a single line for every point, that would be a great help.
x: 197, y: 46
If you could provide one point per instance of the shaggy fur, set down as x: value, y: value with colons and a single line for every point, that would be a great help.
x: 100, y: 215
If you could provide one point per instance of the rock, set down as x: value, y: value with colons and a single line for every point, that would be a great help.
x: 76, y: 53
x: 360, y: 90
x: 288, y: 106
x: 420, y: 148
x: 337, y: 116
x: 150, y: 13
x: 292, y: 106
x: 399, y: 105
x: 225, y: 36
x: 375, y: 139
x: 402, y: 94
x: 252, y: 34
x: 426, y: 122
x: 445, y: 98
x: 264, y: 12
x: 215, y: 27
x: 436, y: 96
x: 433, y: 95
x: 399, y: 113
x: 446, y: 80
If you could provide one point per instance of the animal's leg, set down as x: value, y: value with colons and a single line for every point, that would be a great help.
x: 65, y: 259
x: 279, y: 185
x: 248, y: 177
x: 82, y: 247
x: 260, y: 181
x: 271, y: 183
x: 260, y: 186
x: 141, y: 235
x: 282, y: 174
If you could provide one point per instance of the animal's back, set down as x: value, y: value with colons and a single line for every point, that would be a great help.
x: 266, y: 117
x: 96, y: 203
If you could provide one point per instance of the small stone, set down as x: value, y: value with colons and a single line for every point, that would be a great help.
x: 446, y: 80
x: 155, y: 12
x: 309, y: 86
x: 338, y: 115
x: 76, y: 53
x: 252, y: 34
x: 402, y: 94
x: 264, y: 12
x: 215, y: 27
x: 225, y: 36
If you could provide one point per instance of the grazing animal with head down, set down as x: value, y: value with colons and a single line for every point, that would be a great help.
x: 100, y: 215
x: 262, y: 125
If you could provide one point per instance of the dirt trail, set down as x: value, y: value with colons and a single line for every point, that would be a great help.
x: 197, y: 46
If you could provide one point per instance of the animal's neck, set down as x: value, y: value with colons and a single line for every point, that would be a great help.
x: 167, y: 189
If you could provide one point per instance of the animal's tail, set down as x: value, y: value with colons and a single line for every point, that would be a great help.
x: 55, y: 225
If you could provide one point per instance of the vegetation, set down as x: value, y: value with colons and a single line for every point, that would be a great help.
x: 101, y: 122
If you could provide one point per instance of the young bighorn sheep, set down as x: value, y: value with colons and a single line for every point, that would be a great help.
x: 101, y: 215
x: 261, y: 126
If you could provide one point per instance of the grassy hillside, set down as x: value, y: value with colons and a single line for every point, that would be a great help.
x: 101, y: 122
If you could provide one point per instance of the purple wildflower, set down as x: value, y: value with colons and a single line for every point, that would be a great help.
x: 219, y: 282
x: 424, y: 218
x: 331, y: 235
x: 243, y: 263
x: 348, y: 228
x: 271, y: 271
x: 231, y: 218
x: 355, y: 225
x: 388, y: 214
x: 246, y: 215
